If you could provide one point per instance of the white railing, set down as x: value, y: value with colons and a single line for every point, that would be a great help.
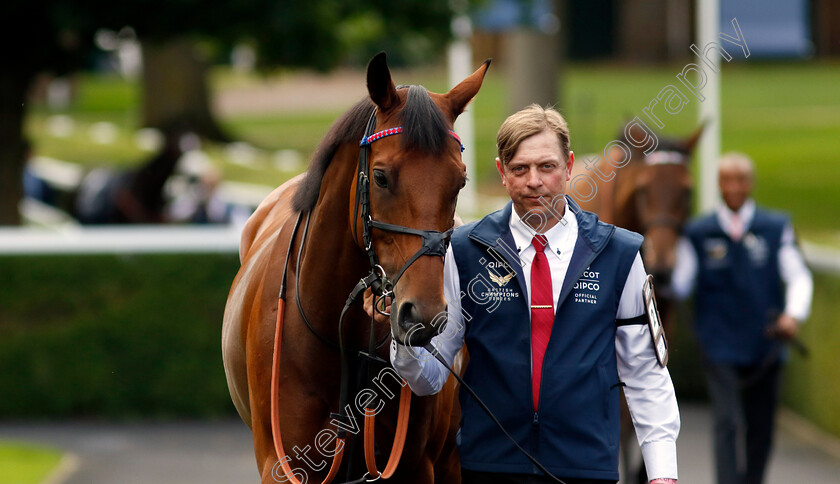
x: 147, y: 239
x: 821, y: 258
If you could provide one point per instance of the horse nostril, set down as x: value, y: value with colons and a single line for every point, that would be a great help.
x: 408, y: 316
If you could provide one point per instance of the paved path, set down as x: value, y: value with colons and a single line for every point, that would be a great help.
x: 148, y: 453
x: 220, y: 452
x: 794, y: 460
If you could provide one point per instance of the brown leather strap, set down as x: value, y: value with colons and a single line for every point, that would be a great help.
x: 275, y: 406
x: 399, y: 437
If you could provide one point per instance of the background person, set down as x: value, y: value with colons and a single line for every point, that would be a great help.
x: 737, y: 257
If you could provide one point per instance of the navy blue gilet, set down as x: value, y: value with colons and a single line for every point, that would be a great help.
x: 739, y: 291
x: 575, y: 434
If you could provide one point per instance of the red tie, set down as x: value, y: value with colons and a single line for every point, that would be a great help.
x: 542, y: 313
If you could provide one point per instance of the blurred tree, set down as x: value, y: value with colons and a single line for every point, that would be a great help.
x: 57, y: 35
x: 33, y: 42
x: 175, y: 90
x: 534, y: 51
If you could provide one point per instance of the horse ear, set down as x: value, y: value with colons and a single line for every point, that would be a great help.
x: 380, y: 86
x: 632, y: 132
x: 460, y: 95
x: 692, y: 140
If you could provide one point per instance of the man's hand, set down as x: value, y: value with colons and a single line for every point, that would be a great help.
x: 377, y: 315
x: 663, y: 481
x: 786, y: 327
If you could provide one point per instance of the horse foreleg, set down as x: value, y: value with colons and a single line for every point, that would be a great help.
x: 422, y: 473
x: 267, y: 461
x: 447, y: 469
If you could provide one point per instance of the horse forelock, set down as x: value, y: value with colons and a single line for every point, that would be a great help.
x: 425, y: 129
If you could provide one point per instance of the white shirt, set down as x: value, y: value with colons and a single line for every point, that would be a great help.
x: 799, y: 287
x: 649, y: 390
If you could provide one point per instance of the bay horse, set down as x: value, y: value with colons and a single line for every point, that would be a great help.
x: 408, y: 178
x: 644, y: 184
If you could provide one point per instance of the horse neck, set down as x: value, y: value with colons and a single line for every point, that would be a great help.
x: 624, y: 202
x: 332, y: 263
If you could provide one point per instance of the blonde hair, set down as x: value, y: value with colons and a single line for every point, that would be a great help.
x: 532, y: 120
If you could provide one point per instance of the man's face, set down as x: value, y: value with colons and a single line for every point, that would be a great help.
x: 736, y: 184
x: 537, y: 170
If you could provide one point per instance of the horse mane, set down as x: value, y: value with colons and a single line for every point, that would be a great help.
x: 425, y: 129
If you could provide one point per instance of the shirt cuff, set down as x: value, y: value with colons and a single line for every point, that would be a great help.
x: 798, y: 314
x: 405, y: 353
x: 660, y: 459
x: 409, y: 365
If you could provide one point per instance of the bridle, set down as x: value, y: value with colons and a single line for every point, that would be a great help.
x: 434, y: 243
x: 664, y: 220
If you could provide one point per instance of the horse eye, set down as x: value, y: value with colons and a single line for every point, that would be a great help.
x: 380, y: 178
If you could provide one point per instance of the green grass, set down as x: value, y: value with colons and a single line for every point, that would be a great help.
x: 809, y: 383
x: 25, y: 464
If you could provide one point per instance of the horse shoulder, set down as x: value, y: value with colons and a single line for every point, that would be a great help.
x: 258, y: 235
x: 264, y: 218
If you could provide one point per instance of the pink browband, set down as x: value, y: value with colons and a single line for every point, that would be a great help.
x: 367, y: 140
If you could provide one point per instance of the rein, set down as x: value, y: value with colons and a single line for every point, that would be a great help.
x: 275, y: 379
x: 434, y: 244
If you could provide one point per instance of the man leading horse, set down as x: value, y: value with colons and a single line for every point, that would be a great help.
x: 549, y: 301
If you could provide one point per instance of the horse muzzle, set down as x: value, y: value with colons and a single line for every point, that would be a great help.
x: 412, y: 328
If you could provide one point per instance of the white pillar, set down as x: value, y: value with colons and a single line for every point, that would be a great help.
x: 708, y: 30
x: 460, y: 66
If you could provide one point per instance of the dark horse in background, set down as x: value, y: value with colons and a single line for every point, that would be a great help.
x: 649, y: 192
x: 415, y: 178
x: 131, y: 196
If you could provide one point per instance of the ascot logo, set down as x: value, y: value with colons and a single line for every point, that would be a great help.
x: 587, y: 287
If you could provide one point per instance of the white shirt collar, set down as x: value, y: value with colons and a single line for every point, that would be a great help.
x: 745, y: 213
x: 557, y: 236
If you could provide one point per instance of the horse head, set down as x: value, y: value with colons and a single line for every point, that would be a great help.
x: 661, y: 201
x: 414, y: 180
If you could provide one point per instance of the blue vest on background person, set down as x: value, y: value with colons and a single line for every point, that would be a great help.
x: 576, y: 431
x: 739, y: 289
